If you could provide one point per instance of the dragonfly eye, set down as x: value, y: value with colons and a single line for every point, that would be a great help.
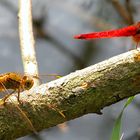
x: 28, y: 82
x: 138, y: 31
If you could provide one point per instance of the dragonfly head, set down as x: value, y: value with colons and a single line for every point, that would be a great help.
x: 27, y: 82
x: 136, y: 37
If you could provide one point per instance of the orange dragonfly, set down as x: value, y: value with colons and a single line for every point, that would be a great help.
x: 18, y: 82
x: 132, y: 30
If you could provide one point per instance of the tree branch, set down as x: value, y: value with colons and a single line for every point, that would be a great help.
x: 79, y: 93
x: 27, y: 39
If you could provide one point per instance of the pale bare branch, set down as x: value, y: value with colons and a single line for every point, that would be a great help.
x: 27, y: 39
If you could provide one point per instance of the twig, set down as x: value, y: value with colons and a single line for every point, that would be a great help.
x: 82, y: 92
x: 122, y: 11
x: 129, y: 10
x: 27, y: 39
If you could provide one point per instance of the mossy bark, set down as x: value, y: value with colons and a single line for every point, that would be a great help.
x: 82, y: 92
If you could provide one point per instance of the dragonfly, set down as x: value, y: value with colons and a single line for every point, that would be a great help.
x: 19, y: 82
x: 16, y: 82
x: 129, y: 31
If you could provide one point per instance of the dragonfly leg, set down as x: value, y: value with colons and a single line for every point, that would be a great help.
x: 8, y: 95
x: 18, y: 97
x: 137, y: 45
x: 3, y: 100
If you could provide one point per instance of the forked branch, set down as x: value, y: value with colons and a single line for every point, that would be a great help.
x: 79, y: 93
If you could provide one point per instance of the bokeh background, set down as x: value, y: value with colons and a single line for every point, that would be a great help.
x: 55, y: 24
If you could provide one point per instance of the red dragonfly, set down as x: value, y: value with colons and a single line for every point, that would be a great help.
x: 132, y: 30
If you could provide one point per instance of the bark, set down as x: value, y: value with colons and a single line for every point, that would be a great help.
x: 72, y: 96
x: 27, y: 43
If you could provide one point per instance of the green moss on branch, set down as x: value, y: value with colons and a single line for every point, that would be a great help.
x: 79, y: 93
